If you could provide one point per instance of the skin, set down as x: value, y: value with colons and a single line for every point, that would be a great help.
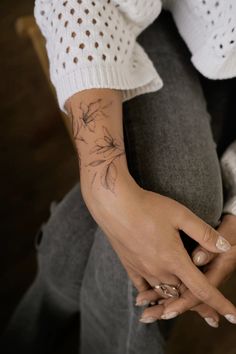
x: 217, y: 268
x: 142, y: 226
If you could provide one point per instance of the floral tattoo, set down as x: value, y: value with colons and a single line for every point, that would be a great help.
x: 106, y: 150
x: 91, y: 113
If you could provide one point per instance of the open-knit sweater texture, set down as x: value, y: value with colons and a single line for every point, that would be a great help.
x: 93, y: 44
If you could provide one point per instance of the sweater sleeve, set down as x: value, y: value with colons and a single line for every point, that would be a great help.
x: 228, y: 167
x: 92, y: 44
x: 209, y: 29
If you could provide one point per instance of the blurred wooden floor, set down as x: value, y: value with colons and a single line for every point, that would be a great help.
x: 38, y: 165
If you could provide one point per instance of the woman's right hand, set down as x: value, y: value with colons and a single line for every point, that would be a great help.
x: 143, y: 228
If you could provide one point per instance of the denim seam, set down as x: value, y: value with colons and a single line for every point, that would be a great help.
x: 53, y: 288
x: 130, y: 302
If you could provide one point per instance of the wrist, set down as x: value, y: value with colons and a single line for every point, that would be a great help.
x: 100, y: 200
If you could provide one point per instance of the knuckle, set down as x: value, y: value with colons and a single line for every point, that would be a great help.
x: 202, y: 294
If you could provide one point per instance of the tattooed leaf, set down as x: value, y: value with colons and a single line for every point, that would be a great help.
x: 106, y: 150
x: 80, y: 138
x: 94, y: 149
x: 96, y: 163
x: 108, y: 177
x: 107, y: 105
x: 91, y: 125
x: 94, y: 106
x: 99, y: 115
x: 108, y: 140
x: 93, y: 179
x: 84, y: 107
x: 100, y: 142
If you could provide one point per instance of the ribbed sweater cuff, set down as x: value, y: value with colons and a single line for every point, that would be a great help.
x: 107, y: 76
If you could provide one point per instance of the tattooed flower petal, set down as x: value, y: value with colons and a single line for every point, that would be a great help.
x: 106, y: 133
x: 109, y: 176
x: 84, y: 107
x: 96, y: 163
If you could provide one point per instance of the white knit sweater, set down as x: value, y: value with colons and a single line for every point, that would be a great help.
x: 92, y: 44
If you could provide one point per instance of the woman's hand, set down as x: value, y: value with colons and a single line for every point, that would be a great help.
x: 217, y: 269
x: 142, y: 226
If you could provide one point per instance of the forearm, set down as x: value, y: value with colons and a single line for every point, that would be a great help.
x: 97, y: 129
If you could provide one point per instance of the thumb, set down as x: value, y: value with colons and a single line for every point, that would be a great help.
x: 203, y: 233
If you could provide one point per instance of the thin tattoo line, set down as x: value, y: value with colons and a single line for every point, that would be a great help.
x: 92, y: 112
x: 110, y: 149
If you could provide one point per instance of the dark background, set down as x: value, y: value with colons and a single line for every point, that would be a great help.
x: 38, y: 165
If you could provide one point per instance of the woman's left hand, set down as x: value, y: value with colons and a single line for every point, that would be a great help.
x: 217, y: 268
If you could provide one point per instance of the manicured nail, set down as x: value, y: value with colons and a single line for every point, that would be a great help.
x: 147, y: 319
x: 142, y: 302
x: 169, y: 315
x: 160, y: 302
x: 231, y: 318
x: 211, y: 322
x: 222, y: 244
x: 200, y: 258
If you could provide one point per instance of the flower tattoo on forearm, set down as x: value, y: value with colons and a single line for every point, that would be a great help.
x: 106, y: 149
x: 91, y: 113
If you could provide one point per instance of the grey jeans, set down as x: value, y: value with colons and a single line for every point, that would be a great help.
x: 171, y: 151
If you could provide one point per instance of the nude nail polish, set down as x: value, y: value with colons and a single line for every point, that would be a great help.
x: 211, y: 322
x: 142, y: 302
x: 231, y: 318
x: 161, y: 301
x: 169, y: 315
x: 147, y: 319
x: 200, y: 258
x: 222, y: 244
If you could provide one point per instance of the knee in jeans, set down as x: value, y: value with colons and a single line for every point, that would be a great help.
x: 63, y: 244
x: 201, y: 192
x: 202, y: 195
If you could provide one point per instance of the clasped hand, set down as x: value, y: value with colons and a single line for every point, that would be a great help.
x: 217, y: 268
x: 143, y: 228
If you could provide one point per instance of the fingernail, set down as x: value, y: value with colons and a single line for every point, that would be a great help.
x: 141, y: 302
x: 160, y: 302
x: 147, y: 319
x: 169, y: 315
x: 200, y: 258
x: 231, y: 318
x: 211, y: 322
x: 222, y: 244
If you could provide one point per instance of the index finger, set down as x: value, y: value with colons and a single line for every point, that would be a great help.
x: 203, y: 233
x: 201, y: 288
